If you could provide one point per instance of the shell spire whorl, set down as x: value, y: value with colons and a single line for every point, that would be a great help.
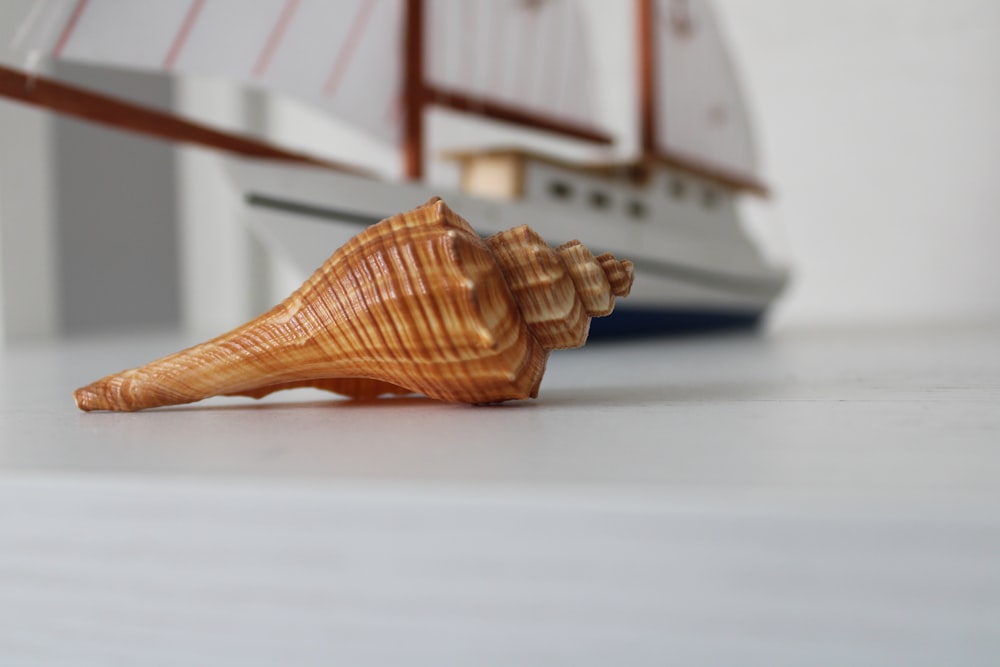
x: 559, y: 289
x: 620, y: 273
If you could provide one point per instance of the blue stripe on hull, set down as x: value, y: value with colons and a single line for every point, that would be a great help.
x: 628, y: 322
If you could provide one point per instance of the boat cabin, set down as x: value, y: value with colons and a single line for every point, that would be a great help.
x: 637, y: 189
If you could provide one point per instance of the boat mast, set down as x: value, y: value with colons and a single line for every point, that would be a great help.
x: 649, y: 142
x: 645, y: 31
x: 414, y: 91
x: 419, y: 93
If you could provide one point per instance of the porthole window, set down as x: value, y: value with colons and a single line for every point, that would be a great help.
x: 677, y: 188
x: 637, y: 209
x: 560, y: 189
x: 599, y: 199
x: 709, y: 197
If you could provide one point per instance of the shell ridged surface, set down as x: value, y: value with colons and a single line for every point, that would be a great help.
x: 415, y: 303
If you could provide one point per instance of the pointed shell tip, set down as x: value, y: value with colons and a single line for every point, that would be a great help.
x: 85, y: 399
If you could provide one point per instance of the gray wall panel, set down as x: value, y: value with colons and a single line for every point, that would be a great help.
x: 117, y: 216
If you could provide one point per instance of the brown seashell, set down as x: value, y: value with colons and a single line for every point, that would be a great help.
x: 415, y: 303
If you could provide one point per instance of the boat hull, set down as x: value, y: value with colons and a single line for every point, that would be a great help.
x: 632, y: 322
x: 686, y: 281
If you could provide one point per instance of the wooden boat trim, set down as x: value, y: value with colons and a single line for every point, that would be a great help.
x: 725, y: 177
x: 634, y: 170
x: 484, y: 107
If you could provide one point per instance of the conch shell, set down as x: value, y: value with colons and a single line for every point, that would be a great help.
x: 415, y: 303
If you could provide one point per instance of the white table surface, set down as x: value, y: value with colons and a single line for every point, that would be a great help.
x: 810, y: 498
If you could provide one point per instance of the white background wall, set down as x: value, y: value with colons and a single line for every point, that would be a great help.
x: 879, y: 123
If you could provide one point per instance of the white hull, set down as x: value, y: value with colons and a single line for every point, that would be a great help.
x: 683, y: 267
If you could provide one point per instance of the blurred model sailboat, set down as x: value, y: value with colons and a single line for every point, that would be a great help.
x: 379, y: 65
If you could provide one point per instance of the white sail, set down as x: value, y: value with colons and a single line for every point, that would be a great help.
x: 700, y: 109
x: 531, y: 55
x: 342, y: 56
x: 345, y: 57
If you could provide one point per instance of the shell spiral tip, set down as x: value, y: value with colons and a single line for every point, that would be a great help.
x: 620, y: 273
x: 87, y: 399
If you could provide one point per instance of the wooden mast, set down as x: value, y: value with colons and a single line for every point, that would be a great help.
x: 414, y: 91
x: 645, y: 32
x: 418, y: 93
x: 649, y: 147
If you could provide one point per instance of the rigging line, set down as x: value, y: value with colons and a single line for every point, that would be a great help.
x: 182, y: 35
x: 350, y: 45
x: 67, y: 32
x: 274, y: 39
x: 27, y: 26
